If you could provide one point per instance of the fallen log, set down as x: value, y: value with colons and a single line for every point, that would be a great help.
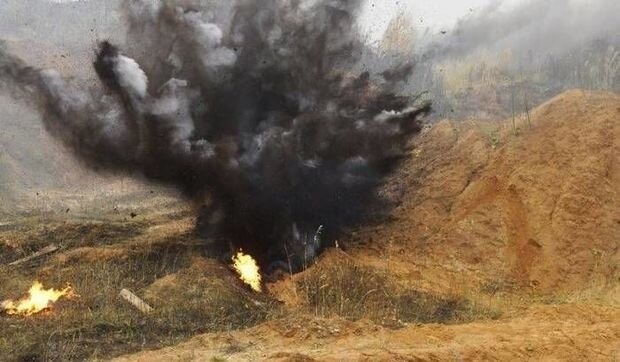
x: 46, y: 250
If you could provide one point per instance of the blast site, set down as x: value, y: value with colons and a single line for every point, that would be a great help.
x: 309, y: 180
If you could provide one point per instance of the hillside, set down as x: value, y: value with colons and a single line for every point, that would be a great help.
x: 36, y: 170
x: 502, y: 244
x: 523, y: 219
x: 537, y: 211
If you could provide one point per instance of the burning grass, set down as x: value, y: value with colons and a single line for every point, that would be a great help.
x: 99, y: 324
x: 38, y: 300
x: 248, y: 270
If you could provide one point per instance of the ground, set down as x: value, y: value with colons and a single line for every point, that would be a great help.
x: 502, y: 244
x: 563, y: 332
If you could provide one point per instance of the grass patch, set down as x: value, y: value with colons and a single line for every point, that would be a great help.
x: 99, y: 324
x: 27, y: 237
x: 73, y: 233
x: 352, y: 291
x: 499, y: 286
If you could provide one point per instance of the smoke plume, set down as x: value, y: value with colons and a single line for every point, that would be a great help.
x: 501, y: 59
x: 252, y: 108
x: 550, y: 27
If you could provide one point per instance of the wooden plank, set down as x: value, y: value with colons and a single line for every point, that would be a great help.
x: 46, y: 250
x: 135, y: 301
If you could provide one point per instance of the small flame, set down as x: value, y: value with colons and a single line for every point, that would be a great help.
x: 38, y: 300
x: 248, y: 271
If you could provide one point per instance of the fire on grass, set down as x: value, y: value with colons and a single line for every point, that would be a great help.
x: 38, y: 300
x: 248, y: 270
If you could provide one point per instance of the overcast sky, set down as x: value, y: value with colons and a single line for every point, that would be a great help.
x: 435, y: 14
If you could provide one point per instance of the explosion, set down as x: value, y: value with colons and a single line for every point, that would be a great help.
x: 38, y: 300
x: 262, y: 112
x: 248, y: 270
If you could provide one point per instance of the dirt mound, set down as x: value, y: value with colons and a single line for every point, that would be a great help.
x: 520, y: 216
x: 533, y: 205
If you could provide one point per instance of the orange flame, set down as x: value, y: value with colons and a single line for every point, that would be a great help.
x: 248, y: 270
x: 38, y: 299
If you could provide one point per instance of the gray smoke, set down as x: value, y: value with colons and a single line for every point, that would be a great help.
x: 535, y: 26
x: 499, y: 60
x: 252, y: 108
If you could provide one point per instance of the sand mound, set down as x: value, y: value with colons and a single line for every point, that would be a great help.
x: 533, y: 206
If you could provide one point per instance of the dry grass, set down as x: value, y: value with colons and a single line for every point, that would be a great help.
x: 99, y: 324
x: 191, y: 293
x: 352, y: 291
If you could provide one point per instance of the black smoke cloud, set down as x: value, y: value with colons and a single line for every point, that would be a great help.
x: 252, y: 108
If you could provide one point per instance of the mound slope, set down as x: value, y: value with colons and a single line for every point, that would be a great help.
x: 532, y: 206
x: 526, y: 214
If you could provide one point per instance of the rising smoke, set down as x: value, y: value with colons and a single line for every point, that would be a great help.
x: 533, y: 26
x: 502, y: 59
x: 252, y: 108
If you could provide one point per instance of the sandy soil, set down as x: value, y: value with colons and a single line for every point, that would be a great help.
x: 539, y: 210
x: 570, y: 332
